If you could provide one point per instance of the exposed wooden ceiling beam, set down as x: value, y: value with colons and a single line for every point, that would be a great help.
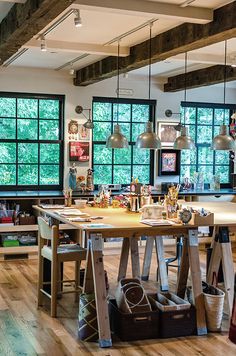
x: 74, y: 47
x: 180, y: 39
x: 202, y: 77
x: 24, y: 21
x: 191, y: 14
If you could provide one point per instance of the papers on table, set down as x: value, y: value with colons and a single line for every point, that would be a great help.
x: 70, y: 212
x: 52, y: 206
x: 158, y: 222
x: 79, y: 219
x: 94, y: 226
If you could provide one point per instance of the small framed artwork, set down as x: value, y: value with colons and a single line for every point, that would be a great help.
x: 167, y: 133
x: 79, y: 151
x: 73, y: 127
x: 84, y: 133
x: 168, y: 162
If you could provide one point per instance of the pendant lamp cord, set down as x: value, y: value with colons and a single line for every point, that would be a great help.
x: 185, y: 82
x: 118, y: 80
x: 225, y: 77
x: 150, y: 60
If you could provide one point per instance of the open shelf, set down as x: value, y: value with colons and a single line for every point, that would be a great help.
x: 27, y: 228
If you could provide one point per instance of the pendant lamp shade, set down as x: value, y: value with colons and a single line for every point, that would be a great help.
x: 224, y: 141
x: 148, y: 139
x: 116, y: 139
x: 89, y: 124
x: 184, y: 141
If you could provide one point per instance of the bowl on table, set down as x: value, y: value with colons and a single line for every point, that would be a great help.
x: 80, y: 203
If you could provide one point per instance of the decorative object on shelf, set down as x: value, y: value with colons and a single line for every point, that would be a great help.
x: 80, y: 183
x: 149, y: 139
x: 79, y: 151
x: 198, y: 181
x: 72, y: 176
x: 117, y: 139
x: 184, y: 141
x: 187, y: 184
x: 168, y: 162
x: 224, y: 141
x: 171, y: 202
x: 89, y: 180
x: 84, y: 133
x: 215, y: 182
x: 167, y: 133
x: 102, y: 200
x: 185, y: 216
x: 68, y: 196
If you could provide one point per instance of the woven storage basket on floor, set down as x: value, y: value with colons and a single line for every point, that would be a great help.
x: 87, y: 325
x: 214, y: 305
x: 131, y: 297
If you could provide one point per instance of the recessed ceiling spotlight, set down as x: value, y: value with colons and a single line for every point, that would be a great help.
x: 43, y: 45
x: 77, y: 19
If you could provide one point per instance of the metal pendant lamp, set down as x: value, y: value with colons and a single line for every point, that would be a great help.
x: 184, y: 141
x: 149, y: 139
x: 224, y: 141
x: 89, y: 124
x: 117, y: 139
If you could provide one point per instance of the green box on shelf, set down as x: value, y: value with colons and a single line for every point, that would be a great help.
x: 10, y: 243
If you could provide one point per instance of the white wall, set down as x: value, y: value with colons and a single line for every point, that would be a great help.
x: 52, y: 82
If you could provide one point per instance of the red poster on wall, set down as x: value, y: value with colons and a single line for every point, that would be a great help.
x: 79, y: 151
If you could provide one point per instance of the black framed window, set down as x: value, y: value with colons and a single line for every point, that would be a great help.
x: 31, y: 141
x: 203, y: 121
x: 120, y: 165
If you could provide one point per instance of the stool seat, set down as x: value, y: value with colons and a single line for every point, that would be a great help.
x: 69, y: 252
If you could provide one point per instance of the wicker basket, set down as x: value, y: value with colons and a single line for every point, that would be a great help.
x: 214, y: 305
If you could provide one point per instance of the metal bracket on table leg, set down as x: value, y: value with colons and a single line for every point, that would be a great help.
x: 105, y: 343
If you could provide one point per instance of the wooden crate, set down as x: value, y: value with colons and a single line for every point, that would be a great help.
x: 199, y: 220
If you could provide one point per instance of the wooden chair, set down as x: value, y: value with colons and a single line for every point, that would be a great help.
x: 49, y: 249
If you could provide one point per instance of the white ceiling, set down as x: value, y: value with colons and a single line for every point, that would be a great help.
x: 102, y: 26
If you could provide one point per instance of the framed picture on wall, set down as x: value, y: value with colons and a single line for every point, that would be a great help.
x: 79, y: 151
x: 168, y: 162
x: 84, y: 133
x: 167, y: 133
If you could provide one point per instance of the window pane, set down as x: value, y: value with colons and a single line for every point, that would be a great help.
x: 207, y: 173
x: 7, y: 174
x: 122, y: 174
x: 142, y: 173
x: 137, y: 129
x: 140, y: 113
x: 27, y: 108
x: 188, y: 172
x: 124, y: 112
x: 102, y: 111
x: 7, y: 129
x: 219, y: 116
x: 8, y: 152
x: 101, y: 131
x: 190, y: 115
x: 191, y: 131
x: 122, y: 156
x: 102, y: 174
x: 49, y: 153
x: 222, y: 157
x: 7, y: 107
x: 28, y: 153
x: 223, y: 172
x: 204, y: 134
x: 188, y: 156
x: 125, y: 130
x: 205, y: 155
x: 48, y: 130
x: 140, y: 155
x: 49, y: 109
x: 204, y: 116
x: 101, y: 154
x: 49, y: 174
x: 27, y: 129
x: 27, y: 174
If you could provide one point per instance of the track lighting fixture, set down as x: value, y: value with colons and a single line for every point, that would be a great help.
x: 77, y: 19
x: 43, y: 45
x: 71, y: 70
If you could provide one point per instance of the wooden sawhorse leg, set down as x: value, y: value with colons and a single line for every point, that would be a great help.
x: 221, y: 251
x: 129, y: 244
x: 162, y: 270
x: 94, y: 281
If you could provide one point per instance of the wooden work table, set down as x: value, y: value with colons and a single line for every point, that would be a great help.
x: 127, y: 226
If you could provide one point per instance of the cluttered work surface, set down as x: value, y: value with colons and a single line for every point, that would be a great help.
x: 117, y: 222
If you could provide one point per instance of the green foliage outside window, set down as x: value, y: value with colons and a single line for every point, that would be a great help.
x: 203, y: 124
x: 29, y: 141
x: 120, y: 165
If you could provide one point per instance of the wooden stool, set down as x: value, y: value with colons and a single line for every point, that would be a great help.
x: 49, y: 249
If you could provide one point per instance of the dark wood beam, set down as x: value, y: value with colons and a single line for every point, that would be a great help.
x: 24, y: 21
x: 185, y: 37
x: 202, y: 77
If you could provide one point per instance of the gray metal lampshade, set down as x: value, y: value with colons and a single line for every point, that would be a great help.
x: 184, y: 142
x: 89, y: 124
x: 223, y: 141
x: 148, y: 139
x: 116, y: 139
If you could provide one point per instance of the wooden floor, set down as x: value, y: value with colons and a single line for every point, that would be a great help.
x: 24, y: 330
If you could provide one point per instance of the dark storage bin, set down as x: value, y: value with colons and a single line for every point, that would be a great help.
x: 178, y: 323
x: 27, y: 220
x: 135, y: 326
